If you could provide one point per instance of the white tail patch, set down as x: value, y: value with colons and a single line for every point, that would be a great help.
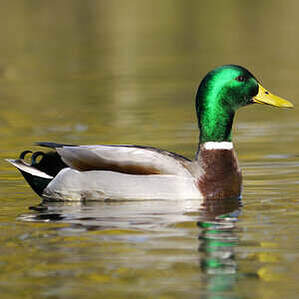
x: 28, y: 168
x: 223, y: 145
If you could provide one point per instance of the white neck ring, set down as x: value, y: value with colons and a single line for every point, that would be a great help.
x: 223, y: 145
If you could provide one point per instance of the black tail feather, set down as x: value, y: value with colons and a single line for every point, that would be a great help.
x: 50, y: 163
x: 38, y: 184
x: 39, y: 173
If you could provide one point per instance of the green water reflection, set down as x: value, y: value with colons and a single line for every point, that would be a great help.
x: 217, y: 241
x: 126, y: 72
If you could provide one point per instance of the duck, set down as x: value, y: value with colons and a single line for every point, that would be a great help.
x: 67, y: 172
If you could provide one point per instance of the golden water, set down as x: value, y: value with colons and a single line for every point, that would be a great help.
x: 126, y: 72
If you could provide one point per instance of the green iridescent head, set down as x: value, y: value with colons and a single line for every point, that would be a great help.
x: 221, y: 93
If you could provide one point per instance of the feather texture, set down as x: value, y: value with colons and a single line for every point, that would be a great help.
x: 124, y: 159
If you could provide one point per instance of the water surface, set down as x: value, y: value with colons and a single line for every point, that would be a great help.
x: 127, y: 72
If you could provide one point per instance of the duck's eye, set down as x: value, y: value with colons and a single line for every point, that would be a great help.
x: 240, y: 78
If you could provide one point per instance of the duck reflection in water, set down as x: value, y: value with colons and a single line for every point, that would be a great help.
x: 217, y: 240
x: 216, y: 220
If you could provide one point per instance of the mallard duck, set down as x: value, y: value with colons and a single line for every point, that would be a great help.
x: 100, y: 172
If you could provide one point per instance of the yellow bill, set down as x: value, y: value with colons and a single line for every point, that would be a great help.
x: 265, y: 97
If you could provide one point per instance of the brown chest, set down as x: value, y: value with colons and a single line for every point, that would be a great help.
x: 222, y: 177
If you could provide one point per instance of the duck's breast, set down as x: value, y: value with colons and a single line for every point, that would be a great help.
x: 222, y: 177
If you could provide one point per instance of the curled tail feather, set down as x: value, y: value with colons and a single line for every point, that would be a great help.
x: 40, y: 173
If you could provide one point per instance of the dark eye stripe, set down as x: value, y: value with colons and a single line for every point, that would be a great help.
x: 240, y: 78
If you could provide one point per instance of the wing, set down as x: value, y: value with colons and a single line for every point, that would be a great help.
x: 124, y: 159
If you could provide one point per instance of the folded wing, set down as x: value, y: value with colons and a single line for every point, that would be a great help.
x: 124, y: 159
